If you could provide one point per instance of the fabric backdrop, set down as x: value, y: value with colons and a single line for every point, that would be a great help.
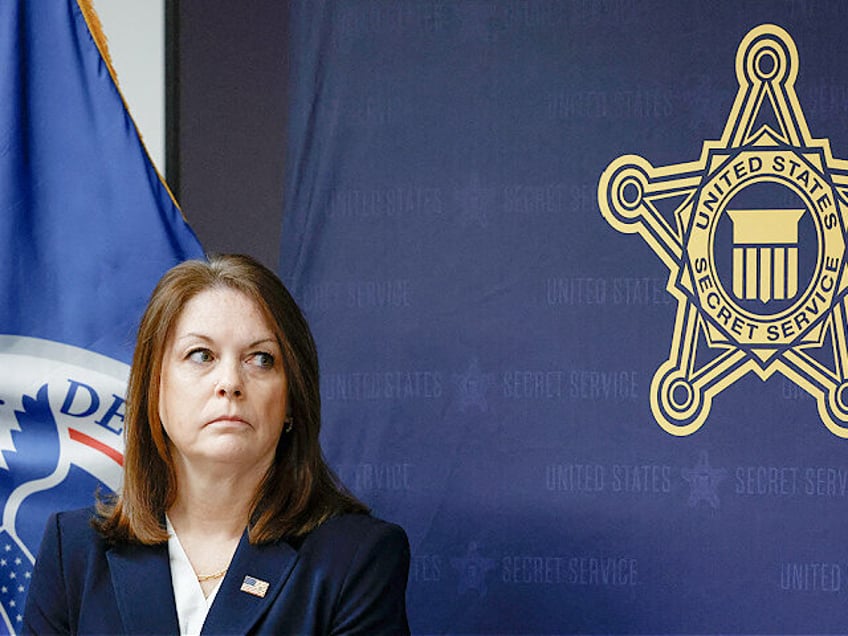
x: 502, y: 220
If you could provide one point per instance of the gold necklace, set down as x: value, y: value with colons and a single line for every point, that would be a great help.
x: 209, y: 577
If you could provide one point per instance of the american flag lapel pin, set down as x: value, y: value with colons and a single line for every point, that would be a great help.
x: 254, y: 586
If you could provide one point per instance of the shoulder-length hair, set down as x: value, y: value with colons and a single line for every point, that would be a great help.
x: 299, y: 491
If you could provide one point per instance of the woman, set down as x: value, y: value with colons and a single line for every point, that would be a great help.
x: 229, y: 519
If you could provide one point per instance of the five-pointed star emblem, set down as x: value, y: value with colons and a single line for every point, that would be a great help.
x: 753, y: 234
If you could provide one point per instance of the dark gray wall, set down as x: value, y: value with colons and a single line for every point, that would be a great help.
x: 226, y: 121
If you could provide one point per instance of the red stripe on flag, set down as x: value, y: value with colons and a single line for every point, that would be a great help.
x: 107, y: 450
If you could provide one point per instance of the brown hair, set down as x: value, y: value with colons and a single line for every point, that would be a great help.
x: 299, y: 492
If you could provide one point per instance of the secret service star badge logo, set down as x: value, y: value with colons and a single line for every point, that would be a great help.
x: 753, y: 234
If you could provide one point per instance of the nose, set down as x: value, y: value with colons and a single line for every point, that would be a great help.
x: 227, y: 389
x: 229, y: 383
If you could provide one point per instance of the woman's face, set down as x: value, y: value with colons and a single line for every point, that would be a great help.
x: 222, y: 392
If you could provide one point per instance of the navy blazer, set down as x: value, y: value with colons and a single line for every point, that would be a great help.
x: 347, y: 576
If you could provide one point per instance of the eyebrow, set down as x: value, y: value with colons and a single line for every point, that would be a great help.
x: 255, y: 343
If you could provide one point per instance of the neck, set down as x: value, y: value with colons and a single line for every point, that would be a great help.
x: 216, y: 504
x: 209, y: 517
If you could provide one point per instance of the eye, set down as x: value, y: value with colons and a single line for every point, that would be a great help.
x: 201, y: 356
x: 262, y: 359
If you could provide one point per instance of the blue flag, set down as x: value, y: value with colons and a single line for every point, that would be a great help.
x: 87, y: 227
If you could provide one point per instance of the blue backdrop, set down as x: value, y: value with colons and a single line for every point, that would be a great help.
x: 489, y: 338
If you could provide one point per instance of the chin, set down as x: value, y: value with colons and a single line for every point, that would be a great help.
x: 237, y: 455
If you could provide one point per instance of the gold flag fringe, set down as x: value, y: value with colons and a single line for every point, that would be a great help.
x: 96, y: 29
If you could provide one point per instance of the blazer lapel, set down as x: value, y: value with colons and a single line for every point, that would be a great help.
x: 236, y: 610
x: 141, y: 577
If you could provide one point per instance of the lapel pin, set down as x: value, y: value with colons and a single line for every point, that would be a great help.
x: 254, y: 586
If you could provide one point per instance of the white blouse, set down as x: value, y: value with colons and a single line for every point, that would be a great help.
x: 192, y: 605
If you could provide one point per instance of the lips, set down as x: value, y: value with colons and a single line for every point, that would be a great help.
x: 229, y: 419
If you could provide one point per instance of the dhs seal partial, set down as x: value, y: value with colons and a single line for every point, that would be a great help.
x: 61, y: 424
